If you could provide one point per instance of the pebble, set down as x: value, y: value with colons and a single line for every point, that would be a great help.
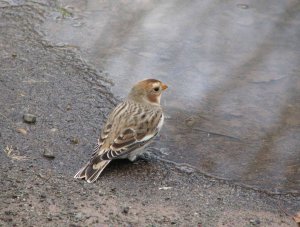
x: 78, y: 216
x: 49, y: 219
x: 74, y: 140
x: 53, y: 130
x: 43, y: 196
x: 254, y: 222
x: 164, y: 188
x: 29, y: 118
x: 125, y: 210
x: 22, y: 131
x: 48, y: 154
x: 69, y: 107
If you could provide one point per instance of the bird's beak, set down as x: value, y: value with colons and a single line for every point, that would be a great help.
x: 164, y: 87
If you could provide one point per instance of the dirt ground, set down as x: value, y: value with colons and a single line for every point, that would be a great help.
x: 71, y: 100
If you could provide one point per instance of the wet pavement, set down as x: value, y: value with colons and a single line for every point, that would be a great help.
x: 233, y: 70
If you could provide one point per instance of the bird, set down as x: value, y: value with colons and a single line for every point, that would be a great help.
x: 131, y: 126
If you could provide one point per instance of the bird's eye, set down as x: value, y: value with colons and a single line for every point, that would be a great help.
x: 156, y: 89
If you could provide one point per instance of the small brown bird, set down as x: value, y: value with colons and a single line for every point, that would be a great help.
x: 130, y: 126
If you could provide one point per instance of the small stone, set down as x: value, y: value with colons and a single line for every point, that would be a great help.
x: 164, y: 188
x: 68, y: 107
x: 48, y: 154
x: 101, y: 193
x: 29, y: 118
x: 173, y: 222
x: 14, y: 55
x: 49, y: 218
x: 125, y: 210
x: 22, y: 131
x: 53, y: 130
x: 78, y: 216
x: 254, y: 222
x: 74, y: 141
x: 43, y: 196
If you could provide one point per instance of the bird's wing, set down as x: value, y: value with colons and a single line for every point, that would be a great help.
x: 108, y: 126
x: 103, y: 135
x: 125, y: 143
x: 130, y: 138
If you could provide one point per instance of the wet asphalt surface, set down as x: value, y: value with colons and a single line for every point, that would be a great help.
x: 232, y: 67
x: 71, y: 101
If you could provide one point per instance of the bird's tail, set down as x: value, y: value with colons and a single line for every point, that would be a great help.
x: 91, y: 171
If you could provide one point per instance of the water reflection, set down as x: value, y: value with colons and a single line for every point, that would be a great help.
x: 233, y: 70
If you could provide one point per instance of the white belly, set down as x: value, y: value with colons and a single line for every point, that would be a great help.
x: 135, y: 153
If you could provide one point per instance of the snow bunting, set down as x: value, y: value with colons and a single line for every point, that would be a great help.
x: 130, y: 126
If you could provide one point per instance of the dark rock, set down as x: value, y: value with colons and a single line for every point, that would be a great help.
x: 48, y: 154
x: 29, y: 118
x: 43, y: 196
x: 49, y: 219
x: 125, y: 210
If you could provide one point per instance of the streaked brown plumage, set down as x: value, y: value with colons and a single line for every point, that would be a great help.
x: 130, y: 126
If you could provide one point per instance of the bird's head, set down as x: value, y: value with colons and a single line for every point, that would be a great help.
x: 149, y: 90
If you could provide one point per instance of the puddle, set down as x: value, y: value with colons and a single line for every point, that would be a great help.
x: 233, y: 107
